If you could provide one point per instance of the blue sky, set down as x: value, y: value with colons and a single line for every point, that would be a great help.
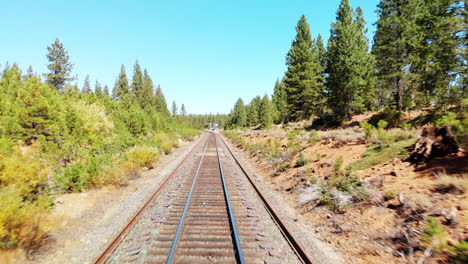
x: 204, y: 53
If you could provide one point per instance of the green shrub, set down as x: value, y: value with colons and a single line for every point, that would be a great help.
x: 22, y: 223
x: 392, y: 116
x: 338, y: 166
x: 285, y: 166
x: 314, y: 137
x: 142, y: 156
x: 459, y: 252
x: 378, y: 154
x: 25, y: 169
x: 389, y: 195
x: 459, y: 125
x: 434, y: 235
x: 301, y: 160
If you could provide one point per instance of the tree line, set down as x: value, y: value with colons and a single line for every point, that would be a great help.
x: 418, y: 59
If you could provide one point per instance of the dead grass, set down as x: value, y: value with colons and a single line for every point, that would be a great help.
x: 451, y: 184
x: 346, y: 135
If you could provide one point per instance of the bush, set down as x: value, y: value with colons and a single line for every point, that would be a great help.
x: 22, y: 222
x: 25, y: 170
x: 420, y: 203
x: 142, y: 156
x: 459, y: 252
x: 434, y: 235
x: 392, y: 116
x: 451, y: 184
x: 301, y: 161
x: 378, y: 154
x: 314, y: 137
x: 389, y: 195
x: 459, y: 126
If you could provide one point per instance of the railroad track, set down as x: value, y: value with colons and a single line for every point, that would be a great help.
x: 207, y: 211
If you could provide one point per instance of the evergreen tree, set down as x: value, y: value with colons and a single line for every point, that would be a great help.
x: 137, y: 80
x: 161, y: 104
x: 98, y: 89
x: 303, y: 79
x: 59, y: 65
x: 86, y: 86
x: 438, y: 51
x: 253, y: 111
x: 106, y: 90
x: 30, y: 73
x: 266, y: 112
x: 183, y: 111
x: 238, y: 115
x: 321, y: 51
x: 174, y: 109
x: 349, y: 63
x: 121, y: 85
x: 394, y: 47
x: 145, y: 95
x: 280, y: 103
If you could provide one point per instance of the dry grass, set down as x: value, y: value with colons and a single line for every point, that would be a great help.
x: 346, y: 135
x: 451, y: 184
x: 420, y: 203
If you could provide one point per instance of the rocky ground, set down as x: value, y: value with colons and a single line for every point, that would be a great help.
x: 389, y: 224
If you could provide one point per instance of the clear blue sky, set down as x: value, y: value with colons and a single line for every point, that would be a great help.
x: 204, y: 53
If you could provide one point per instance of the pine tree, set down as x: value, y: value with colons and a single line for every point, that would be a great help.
x: 86, y: 86
x: 30, y: 73
x: 303, y: 79
x: 161, y: 104
x: 366, y: 94
x: 145, y: 95
x: 438, y: 51
x: 98, y: 89
x: 106, y: 90
x: 253, y: 111
x: 238, y: 115
x: 348, y: 63
x: 266, y: 112
x: 121, y: 85
x: 321, y: 51
x: 59, y: 65
x: 137, y: 80
x: 183, y: 111
x: 394, y: 48
x: 174, y: 109
x: 280, y: 103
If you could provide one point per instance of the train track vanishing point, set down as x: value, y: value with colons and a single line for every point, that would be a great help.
x: 205, y: 212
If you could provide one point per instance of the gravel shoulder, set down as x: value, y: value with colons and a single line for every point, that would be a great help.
x: 86, y: 222
x: 320, y: 251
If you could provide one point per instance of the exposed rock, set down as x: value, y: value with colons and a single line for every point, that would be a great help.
x: 433, y: 142
x: 310, y: 194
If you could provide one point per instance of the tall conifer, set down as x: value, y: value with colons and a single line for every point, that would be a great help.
x: 303, y: 79
x: 121, y: 88
x: 86, y: 86
x: 348, y: 63
x: 280, y: 102
x: 59, y: 65
x: 395, y: 43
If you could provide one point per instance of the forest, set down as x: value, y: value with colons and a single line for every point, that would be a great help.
x: 418, y: 60
x: 56, y: 137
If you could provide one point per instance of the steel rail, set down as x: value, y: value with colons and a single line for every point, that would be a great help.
x: 235, y: 234
x: 116, y: 241
x: 184, y: 212
x: 295, y: 245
